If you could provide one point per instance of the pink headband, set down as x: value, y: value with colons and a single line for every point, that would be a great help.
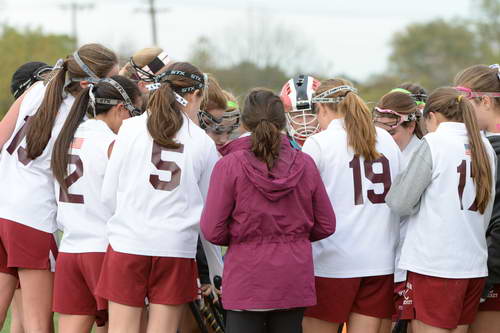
x: 402, y: 117
x: 472, y: 94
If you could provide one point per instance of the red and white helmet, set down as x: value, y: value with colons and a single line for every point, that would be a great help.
x: 296, y: 94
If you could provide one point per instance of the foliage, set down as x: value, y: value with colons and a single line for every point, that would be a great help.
x: 432, y: 53
x: 21, y: 46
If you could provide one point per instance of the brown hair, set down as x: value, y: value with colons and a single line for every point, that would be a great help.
x: 418, y: 92
x: 165, y: 118
x: 361, y: 133
x: 402, y: 103
x: 215, y: 98
x: 99, y: 59
x: 480, y: 78
x: 452, y: 106
x: 264, y: 116
x: 60, y: 157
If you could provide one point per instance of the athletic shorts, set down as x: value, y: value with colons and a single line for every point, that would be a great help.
x: 25, y: 247
x: 75, y: 283
x: 492, y: 302
x: 337, y: 298
x: 403, y: 302
x: 129, y: 278
x: 445, y: 303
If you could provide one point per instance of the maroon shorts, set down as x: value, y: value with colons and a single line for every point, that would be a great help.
x: 25, y: 247
x: 492, y: 302
x: 75, y: 283
x: 403, y: 302
x: 128, y: 279
x: 445, y: 303
x: 337, y: 298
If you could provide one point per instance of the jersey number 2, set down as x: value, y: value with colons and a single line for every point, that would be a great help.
x: 64, y: 195
x: 160, y: 164
x: 376, y: 178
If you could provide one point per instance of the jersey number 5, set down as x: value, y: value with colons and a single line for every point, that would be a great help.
x: 376, y: 178
x: 175, y: 178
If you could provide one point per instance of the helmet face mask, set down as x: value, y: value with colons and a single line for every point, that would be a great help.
x: 297, y: 94
x: 226, y: 124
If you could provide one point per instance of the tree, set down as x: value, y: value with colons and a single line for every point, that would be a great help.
x: 21, y: 46
x: 432, y: 53
x: 487, y: 24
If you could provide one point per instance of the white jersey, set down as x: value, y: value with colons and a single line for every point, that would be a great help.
x: 406, y: 154
x: 157, y: 194
x: 367, y: 231
x: 27, y: 194
x: 446, y: 237
x: 80, y: 214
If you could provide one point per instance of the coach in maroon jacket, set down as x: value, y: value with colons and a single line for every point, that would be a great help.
x: 267, y: 202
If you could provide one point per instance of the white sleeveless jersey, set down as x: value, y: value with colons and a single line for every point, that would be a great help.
x: 80, y: 214
x: 446, y: 237
x: 406, y: 154
x: 157, y: 194
x: 27, y: 194
x: 367, y: 231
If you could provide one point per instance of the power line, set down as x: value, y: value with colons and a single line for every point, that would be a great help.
x: 153, y: 11
x: 74, y: 8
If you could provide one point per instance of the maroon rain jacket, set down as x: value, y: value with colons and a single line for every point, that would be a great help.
x: 268, y: 219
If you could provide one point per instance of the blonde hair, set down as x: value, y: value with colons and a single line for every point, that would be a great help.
x: 452, y: 106
x: 361, y: 133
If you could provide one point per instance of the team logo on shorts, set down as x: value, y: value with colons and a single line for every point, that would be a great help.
x: 492, y: 294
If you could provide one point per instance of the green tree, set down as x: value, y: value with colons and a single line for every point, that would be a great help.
x: 432, y: 53
x: 21, y: 46
x: 487, y: 24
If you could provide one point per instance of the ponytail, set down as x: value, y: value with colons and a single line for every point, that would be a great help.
x: 361, y: 134
x: 266, y: 142
x: 481, y: 168
x: 94, y: 60
x: 41, y: 123
x: 60, y: 157
x: 264, y: 116
x: 339, y: 96
x: 105, y: 95
x: 164, y: 120
x: 455, y: 107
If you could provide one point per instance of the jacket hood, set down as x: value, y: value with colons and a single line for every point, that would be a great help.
x: 279, y: 181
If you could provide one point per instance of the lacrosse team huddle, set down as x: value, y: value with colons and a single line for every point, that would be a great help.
x: 146, y: 198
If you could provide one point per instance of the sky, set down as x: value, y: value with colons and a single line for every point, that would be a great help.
x: 350, y: 37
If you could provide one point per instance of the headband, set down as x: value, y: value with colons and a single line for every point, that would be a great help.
x: 232, y: 105
x: 321, y: 98
x: 148, y: 72
x: 108, y: 101
x: 415, y: 96
x: 92, y: 76
x: 36, y: 76
x: 468, y: 93
x: 402, y: 117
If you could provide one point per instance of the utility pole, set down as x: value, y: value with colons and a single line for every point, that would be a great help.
x: 153, y: 11
x: 74, y: 8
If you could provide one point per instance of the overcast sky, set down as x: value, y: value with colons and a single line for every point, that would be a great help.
x: 352, y: 35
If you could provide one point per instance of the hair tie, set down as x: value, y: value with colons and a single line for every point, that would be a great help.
x: 459, y: 98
